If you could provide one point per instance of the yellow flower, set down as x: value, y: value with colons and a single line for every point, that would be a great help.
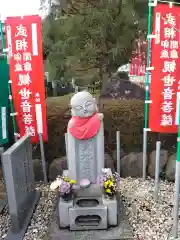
x: 110, y: 184
x: 105, y: 184
x: 108, y: 190
x: 72, y: 181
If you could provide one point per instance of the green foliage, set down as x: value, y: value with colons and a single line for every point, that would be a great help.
x: 127, y: 116
x: 89, y: 39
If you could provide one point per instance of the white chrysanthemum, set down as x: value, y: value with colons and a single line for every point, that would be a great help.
x: 55, y: 184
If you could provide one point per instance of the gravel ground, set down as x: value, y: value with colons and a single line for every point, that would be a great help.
x: 150, y: 220
x: 41, y: 218
x: 1, y: 190
x: 1, y: 186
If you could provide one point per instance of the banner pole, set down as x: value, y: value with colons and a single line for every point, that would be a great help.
x: 39, y: 122
x: 43, y: 158
x: 146, y: 107
x: 118, y: 149
x: 9, y: 86
x: 157, y: 170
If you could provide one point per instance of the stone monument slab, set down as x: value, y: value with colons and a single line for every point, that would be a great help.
x: 86, y: 157
x: 20, y: 186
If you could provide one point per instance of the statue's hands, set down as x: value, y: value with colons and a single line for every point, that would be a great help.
x: 100, y: 116
x: 70, y: 124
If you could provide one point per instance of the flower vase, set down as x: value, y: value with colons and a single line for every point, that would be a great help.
x: 109, y: 196
x: 67, y: 197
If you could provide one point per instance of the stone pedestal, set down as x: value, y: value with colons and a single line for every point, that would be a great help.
x: 87, y: 218
x: 122, y: 231
x: 88, y: 210
x: 63, y: 209
x: 111, y: 205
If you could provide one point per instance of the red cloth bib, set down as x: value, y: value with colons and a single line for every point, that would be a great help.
x: 85, y: 128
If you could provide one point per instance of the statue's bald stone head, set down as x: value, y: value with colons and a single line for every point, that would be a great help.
x: 83, y: 105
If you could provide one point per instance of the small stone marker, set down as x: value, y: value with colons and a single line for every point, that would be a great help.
x: 20, y: 186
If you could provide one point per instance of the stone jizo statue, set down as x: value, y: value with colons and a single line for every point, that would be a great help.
x: 88, y: 208
x: 86, y: 121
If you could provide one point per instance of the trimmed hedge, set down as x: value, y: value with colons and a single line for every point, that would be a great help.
x: 127, y: 116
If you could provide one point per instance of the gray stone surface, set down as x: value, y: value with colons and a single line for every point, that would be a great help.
x: 63, y: 209
x: 56, y: 167
x: 131, y: 165
x: 122, y: 232
x: 38, y: 170
x: 87, y: 201
x: 85, y: 157
x: 20, y: 186
x: 152, y: 161
x: 108, y: 162
x: 100, y: 211
x: 111, y: 205
x: 171, y: 167
x: 93, y: 190
x: 114, y: 155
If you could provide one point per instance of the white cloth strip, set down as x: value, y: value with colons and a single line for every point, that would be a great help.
x: 148, y: 101
x: 150, y: 68
x: 147, y: 129
x: 13, y: 114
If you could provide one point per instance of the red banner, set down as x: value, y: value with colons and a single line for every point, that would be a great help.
x: 164, y: 78
x: 24, y: 38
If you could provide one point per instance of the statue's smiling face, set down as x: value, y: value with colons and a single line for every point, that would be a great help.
x: 83, y: 105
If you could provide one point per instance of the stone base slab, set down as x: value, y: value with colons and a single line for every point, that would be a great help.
x: 123, y: 231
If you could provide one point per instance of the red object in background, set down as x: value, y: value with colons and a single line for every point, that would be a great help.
x: 138, y: 61
x: 24, y: 38
x: 131, y: 72
x: 164, y: 78
x: 134, y: 65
